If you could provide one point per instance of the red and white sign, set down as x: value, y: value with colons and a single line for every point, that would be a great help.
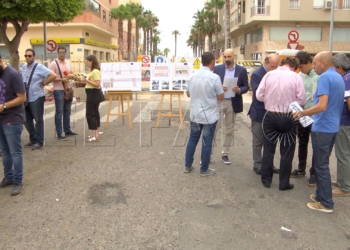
x: 51, y: 45
x: 145, y: 59
x: 293, y: 45
x: 293, y: 36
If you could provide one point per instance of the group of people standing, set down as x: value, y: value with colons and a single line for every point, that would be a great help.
x: 322, y: 89
x: 22, y: 100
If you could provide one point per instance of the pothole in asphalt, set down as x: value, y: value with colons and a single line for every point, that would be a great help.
x: 106, y: 193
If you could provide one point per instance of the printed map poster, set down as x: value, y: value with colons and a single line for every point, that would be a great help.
x: 121, y: 76
x: 161, y: 75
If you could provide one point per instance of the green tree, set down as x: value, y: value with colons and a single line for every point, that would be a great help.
x: 144, y: 23
x: 120, y: 14
x: 22, y: 13
x: 176, y: 33
x: 155, y: 41
x: 209, y: 27
x: 136, y: 11
x: 166, y: 52
x: 129, y: 17
x: 215, y: 5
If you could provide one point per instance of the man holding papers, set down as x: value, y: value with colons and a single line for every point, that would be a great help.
x: 235, y: 84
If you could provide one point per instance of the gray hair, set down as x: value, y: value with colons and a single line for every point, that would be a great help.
x: 341, y: 60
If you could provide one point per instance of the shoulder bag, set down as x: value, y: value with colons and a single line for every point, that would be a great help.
x: 27, y: 84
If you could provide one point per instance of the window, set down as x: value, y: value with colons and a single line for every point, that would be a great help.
x: 93, y: 6
x: 240, y: 40
x: 341, y: 35
x: 294, y: 4
x: 110, y: 19
x: 257, y: 35
x: 256, y: 56
x: 104, y: 16
x: 280, y: 33
x: 346, y: 4
x: 260, y: 7
x: 247, y: 38
x: 101, y: 56
x: 318, y: 4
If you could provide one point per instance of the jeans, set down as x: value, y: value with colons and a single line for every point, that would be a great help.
x: 63, y: 109
x: 322, y: 145
x: 303, y: 137
x: 35, y: 111
x: 11, y: 150
x: 195, y: 134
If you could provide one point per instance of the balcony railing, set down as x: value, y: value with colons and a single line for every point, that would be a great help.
x: 239, y: 18
x: 260, y: 11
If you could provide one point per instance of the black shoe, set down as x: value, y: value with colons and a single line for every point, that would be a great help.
x: 257, y: 170
x: 312, y: 181
x: 17, y: 188
x: 29, y: 144
x: 5, y: 183
x: 62, y: 138
x: 297, y: 173
x: 290, y: 186
x: 37, y: 146
x: 266, y: 185
x: 276, y: 170
x: 70, y: 133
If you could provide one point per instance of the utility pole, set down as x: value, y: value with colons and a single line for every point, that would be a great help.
x: 331, y: 28
x: 45, y: 43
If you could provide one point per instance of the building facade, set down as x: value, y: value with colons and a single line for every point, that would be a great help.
x: 260, y: 27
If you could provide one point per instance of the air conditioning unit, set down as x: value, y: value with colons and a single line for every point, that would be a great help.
x: 328, y: 4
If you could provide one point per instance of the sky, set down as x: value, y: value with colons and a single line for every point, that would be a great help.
x: 174, y: 15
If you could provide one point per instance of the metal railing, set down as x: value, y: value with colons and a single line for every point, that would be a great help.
x: 260, y: 11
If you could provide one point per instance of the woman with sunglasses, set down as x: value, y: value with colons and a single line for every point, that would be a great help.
x: 94, y: 97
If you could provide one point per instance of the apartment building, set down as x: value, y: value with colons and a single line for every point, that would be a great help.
x: 260, y: 27
x: 93, y: 32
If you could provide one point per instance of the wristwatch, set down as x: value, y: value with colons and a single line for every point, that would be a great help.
x: 4, y: 105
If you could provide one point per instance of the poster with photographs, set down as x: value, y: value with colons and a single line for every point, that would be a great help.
x: 169, y: 76
x: 121, y: 76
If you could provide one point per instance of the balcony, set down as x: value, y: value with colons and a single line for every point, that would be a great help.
x: 260, y: 11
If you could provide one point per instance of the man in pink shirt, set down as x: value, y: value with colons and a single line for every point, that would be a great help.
x: 63, y: 107
x: 277, y: 90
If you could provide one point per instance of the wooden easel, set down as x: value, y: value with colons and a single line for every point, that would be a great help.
x: 112, y: 94
x: 170, y: 113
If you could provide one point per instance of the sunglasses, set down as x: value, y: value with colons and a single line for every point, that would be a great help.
x: 61, y: 52
x: 28, y: 56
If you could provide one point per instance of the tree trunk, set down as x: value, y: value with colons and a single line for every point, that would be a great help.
x: 148, y: 42
x: 144, y: 41
x: 129, y: 39
x: 12, y: 46
x: 151, y: 40
x: 216, y: 34
x: 210, y: 42
x: 137, y: 42
x: 120, y: 40
x: 175, y: 43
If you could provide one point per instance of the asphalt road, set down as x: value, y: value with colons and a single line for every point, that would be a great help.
x: 128, y: 191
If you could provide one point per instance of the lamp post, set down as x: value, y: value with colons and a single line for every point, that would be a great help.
x: 45, y: 41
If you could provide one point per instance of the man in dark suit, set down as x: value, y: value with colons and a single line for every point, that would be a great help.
x: 257, y: 110
x: 230, y: 106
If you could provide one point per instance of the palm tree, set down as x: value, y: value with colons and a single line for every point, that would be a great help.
x: 166, y: 51
x: 144, y: 23
x: 199, y: 28
x: 153, y: 22
x: 209, y: 27
x: 155, y: 41
x: 120, y: 13
x: 176, y: 33
x: 136, y: 11
x: 215, y: 5
x: 129, y: 17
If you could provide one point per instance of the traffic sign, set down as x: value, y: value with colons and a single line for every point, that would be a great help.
x: 293, y: 45
x: 160, y: 59
x: 183, y: 60
x: 51, y: 45
x: 197, y: 63
x: 145, y: 59
x: 293, y: 36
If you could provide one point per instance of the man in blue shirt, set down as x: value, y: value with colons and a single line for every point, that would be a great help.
x: 326, y: 112
x: 34, y: 108
x: 204, y: 88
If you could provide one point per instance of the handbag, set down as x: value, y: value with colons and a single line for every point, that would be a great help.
x: 27, y: 84
x: 102, y: 96
x: 68, y: 92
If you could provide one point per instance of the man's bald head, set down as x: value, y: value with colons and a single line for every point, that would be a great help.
x: 271, y: 62
x: 322, y: 62
x: 229, y: 58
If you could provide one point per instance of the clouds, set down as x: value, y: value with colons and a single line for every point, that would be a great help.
x: 174, y: 15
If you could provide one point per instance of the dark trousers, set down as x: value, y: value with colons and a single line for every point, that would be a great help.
x: 35, y: 112
x: 92, y: 105
x: 287, y: 154
x: 303, y: 137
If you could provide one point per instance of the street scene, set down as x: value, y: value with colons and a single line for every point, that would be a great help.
x: 148, y: 124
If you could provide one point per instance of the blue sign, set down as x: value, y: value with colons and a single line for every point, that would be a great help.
x: 159, y: 59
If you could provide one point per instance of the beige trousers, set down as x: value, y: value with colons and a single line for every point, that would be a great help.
x: 227, y: 120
